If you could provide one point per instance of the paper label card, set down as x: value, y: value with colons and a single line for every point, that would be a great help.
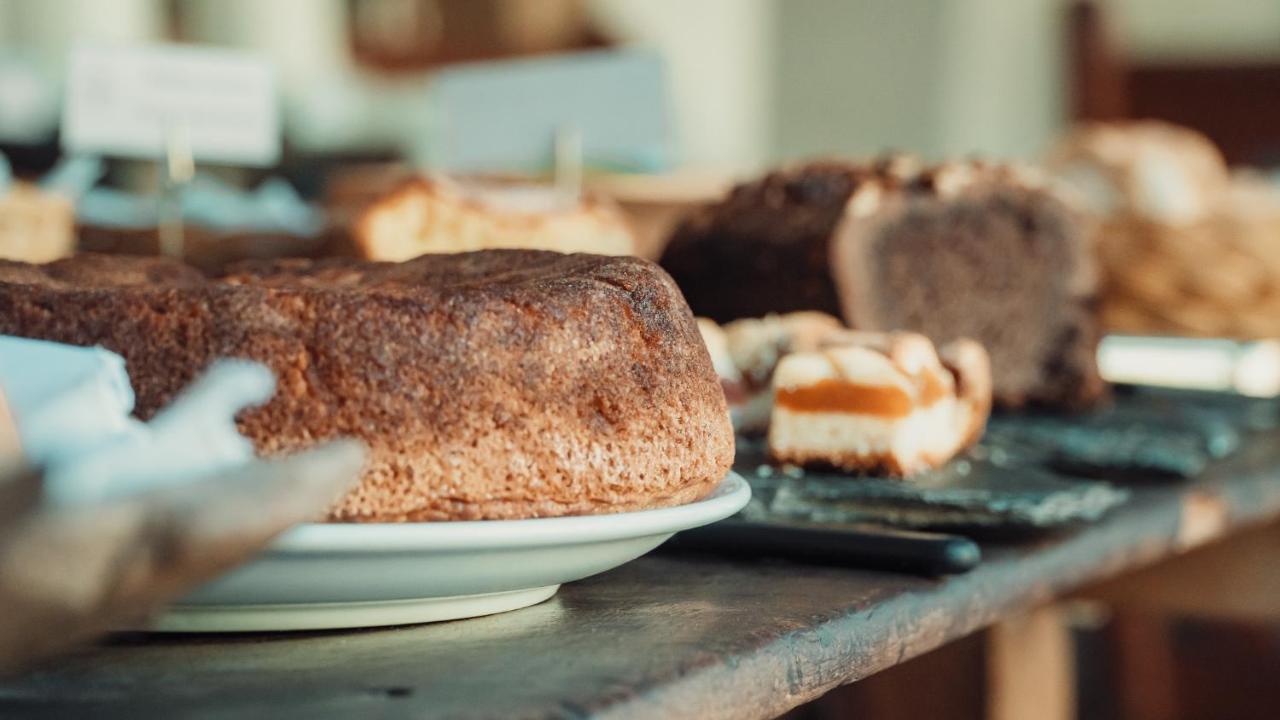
x: 131, y: 101
x: 504, y: 116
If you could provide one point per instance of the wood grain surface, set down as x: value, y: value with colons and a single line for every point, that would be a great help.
x: 672, y: 637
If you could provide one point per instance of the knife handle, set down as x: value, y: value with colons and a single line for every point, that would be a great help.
x: 881, y: 548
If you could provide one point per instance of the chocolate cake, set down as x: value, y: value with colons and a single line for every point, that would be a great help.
x: 496, y: 384
x: 764, y: 248
x: 963, y: 249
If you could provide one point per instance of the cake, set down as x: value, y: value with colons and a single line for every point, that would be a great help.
x: 879, y: 402
x: 495, y: 384
x: 1185, y: 246
x: 753, y: 346
x: 961, y: 249
x: 439, y: 215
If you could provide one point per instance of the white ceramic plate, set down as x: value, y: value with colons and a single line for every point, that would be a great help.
x: 363, y: 575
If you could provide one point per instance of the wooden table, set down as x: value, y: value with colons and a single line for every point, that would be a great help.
x: 664, y: 636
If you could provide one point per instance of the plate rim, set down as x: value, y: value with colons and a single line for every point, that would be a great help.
x: 728, y: 497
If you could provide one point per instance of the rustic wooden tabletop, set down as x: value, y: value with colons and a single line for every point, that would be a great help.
x: 664, y: 636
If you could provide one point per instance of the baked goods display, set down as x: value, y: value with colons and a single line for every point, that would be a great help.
x: 962, y: 249
x: 879, y: 402
x: 35, y: 225
x: 494, y: 384
x: 440, y: 214
x: 1185, y: 246
x: 1147, y: 169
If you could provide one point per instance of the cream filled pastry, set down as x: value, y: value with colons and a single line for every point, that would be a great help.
x: 879, y: 402
x: 754, y: 346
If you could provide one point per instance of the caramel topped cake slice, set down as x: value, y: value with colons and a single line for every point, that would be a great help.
x: 745, y: 353
x: 879, y: 402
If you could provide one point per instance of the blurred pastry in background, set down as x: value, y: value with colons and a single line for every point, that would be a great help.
x: 35, y: 225
x: 879, y: 402
x: 735, y: 390
x: 962, y: 249
x: 1149, y: 169
x: 747, y: 351
x: 1185, y: 246
x: 444, y: 215
x: 222, y: 224
x: 763, y: 248
x: 656, y: 204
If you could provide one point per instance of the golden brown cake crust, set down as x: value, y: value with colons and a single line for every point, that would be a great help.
x: 496, y: 384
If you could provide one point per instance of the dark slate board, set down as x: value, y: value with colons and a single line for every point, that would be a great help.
x: 1146, y: 435
x: 1030, y: 473
x: 968, y: 494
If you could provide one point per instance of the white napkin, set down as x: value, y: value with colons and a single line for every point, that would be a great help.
x: 71, y: 406
x: 64, y: 398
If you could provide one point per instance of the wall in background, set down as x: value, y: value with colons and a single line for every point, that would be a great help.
x: 753, y: 81
x: 938, y: 77
x: 857, y: 77
x: 1199, y: 29
x: 721, y: 56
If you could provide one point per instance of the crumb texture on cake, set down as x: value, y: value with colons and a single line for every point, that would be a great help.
x: 497, y: 384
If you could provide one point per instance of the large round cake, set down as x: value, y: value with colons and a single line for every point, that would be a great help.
x: 494, y: 384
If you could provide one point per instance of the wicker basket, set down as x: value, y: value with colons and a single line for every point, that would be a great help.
x: 1218, y: 276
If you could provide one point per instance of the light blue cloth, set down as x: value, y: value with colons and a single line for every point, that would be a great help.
x: 63, y: 398
x: 274, y: 206
x: 72, y: 406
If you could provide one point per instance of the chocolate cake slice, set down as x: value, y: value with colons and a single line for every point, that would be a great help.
x: 494, y: 384
x: 963, y: 249
x: 764, y: 248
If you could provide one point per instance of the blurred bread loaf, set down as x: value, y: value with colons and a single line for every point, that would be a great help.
x: 35, y: 226
x: 749, y: 350
x: 961, y: 249
x: 443, y: 215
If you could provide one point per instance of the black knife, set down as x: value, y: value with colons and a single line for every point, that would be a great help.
x: 862, y: 546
